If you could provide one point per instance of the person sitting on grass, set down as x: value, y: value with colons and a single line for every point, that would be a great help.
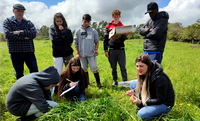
x: 30, y: 96
x: 71, y: 74
x: 154, y: 93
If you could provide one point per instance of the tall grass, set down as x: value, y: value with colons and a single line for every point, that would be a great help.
x: 180, y: 62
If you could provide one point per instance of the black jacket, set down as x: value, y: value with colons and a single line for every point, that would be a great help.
x: 156, y: 39
x: 115, y: 44
x: 161, y: 89
x: 61, y: 42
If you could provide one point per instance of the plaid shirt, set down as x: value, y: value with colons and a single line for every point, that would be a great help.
x: 17, y: 42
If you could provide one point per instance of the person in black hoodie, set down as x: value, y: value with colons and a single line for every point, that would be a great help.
x: 155, y: 32
x: 71, y: 74
x: 154, y: 93
x: 30, y: 96
x: 62, y: 40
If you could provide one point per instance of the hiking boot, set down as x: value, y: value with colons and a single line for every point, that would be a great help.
x: 100, y: 86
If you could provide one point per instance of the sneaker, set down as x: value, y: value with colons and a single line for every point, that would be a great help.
x: 100, y: 86
x: 114, y: 83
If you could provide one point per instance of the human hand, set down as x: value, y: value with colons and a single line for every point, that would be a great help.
x: 96, y: 53
x: 127, y: 33
x: 26, y: 38
x: 151, y: 30
x: 72, y: 84
x: 130, y: 93
x: 135, y: 100
x: 61, y: 27
x: 146, y: 27
x: 78, y: 56
x: 16, y: 32
x: 106, y: 54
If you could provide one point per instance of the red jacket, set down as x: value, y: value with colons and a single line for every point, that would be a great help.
x: 113, y: 43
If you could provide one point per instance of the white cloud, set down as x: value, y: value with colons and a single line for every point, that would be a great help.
x: 183, y: 11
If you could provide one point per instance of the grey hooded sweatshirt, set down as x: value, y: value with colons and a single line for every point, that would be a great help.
x: 85, y: 38
x: 30, y: 90
x: 156, y: 39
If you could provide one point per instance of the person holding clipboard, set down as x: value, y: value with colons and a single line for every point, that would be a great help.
x: 73, y: 81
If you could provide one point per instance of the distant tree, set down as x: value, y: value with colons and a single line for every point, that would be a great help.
x: 192, y: 32
x: 100, y: 28
x: 2, y: 38
x: 175, y: 31
x: 198, y: 21
x: 43, y: 33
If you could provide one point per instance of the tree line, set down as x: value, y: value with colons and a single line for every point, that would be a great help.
x: 176, y: 32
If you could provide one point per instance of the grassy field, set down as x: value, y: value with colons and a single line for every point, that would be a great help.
x: 180, y: 62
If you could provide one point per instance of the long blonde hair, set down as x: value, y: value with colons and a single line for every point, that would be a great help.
x: 144, y: 90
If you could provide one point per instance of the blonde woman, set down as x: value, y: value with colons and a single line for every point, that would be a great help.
x: 154, y: 93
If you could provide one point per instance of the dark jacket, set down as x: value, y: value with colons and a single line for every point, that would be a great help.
x: 75, y: 78
x: 113, y: 43
x: 156, y: 39
x: 30, y: 90
x: 161, y: 89
x: 61, y: 42
x: 17, y: 42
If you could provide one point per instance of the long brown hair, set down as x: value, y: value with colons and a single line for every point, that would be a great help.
x: 59, y: 15
x: 144, y: 91
x: 67, y: 73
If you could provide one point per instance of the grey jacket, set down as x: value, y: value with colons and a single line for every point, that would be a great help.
x: 85, y: 38
x: 156, y: 39
x: 30, y: 90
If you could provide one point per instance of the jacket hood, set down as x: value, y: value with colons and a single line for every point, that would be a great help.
x: 47, y: 76
x: 84, y: 28
x: 156, y: 69
x: 162, y: 14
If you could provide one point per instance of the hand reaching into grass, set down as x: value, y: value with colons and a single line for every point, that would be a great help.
x: 130, y: 93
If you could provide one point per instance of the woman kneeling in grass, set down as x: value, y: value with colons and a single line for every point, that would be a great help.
x: 154, y: 93
x: 71, y: 74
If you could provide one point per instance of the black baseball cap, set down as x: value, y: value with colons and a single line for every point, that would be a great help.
x: 19, y: 6
x: 151, y: 6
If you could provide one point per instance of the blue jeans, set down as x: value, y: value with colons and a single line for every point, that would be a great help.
x: 156, y: 56
x: 133, y: 84
x: 18, y: 59
x: 149, y: 112
x: 75, y: 93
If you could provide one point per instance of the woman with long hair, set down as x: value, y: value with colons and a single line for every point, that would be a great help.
x: 71, y: 74
x: 154, y: 93
x: 62, y: 39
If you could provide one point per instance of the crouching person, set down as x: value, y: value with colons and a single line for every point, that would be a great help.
x: 30, y: 96
x: 154, y: 93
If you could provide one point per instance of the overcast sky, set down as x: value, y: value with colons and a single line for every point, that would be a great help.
x: 183, y: 11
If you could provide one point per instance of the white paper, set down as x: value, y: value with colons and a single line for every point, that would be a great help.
x: 69, y: 89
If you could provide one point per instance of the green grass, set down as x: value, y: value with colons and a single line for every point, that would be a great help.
x: 180, y: 62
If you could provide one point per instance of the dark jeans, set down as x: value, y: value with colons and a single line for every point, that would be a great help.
x: 75, y: 93
x: 18, y: 60
x: 120, y: 57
